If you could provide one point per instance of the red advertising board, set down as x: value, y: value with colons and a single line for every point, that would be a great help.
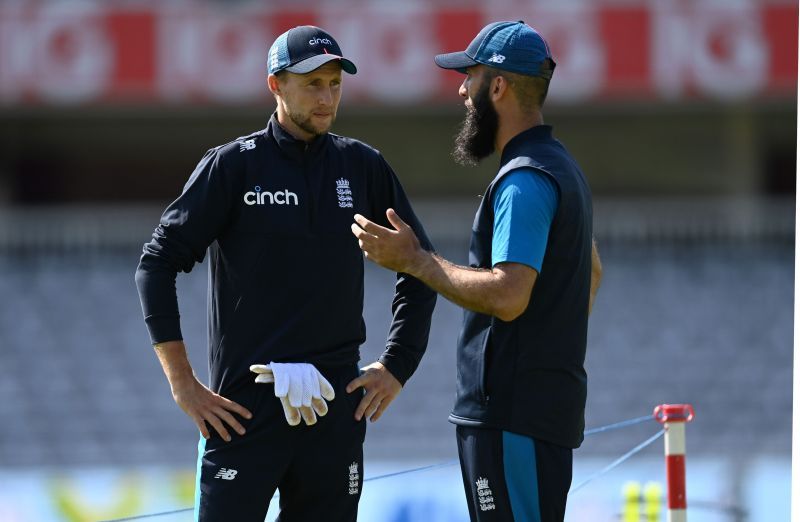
x: 198, y: 52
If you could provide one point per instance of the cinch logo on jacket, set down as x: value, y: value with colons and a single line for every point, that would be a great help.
x: 281, y: 197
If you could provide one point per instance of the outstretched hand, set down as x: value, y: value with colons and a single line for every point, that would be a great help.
x: 396, y: 249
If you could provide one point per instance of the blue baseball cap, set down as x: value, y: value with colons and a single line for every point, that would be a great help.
x: 511, y: 46
x: 304, y: 48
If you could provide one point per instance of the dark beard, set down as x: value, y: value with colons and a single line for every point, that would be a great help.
x: 475, y: 140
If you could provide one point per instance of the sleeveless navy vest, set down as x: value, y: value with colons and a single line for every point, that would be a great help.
x: 527, y: 376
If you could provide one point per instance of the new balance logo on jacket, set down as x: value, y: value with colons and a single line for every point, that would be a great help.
x: 226, y: 474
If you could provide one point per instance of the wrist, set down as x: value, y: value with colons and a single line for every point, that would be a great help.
x: 418, y: 265
x: 396, y: 364
x: 175, y: 363
x: 181, y: 379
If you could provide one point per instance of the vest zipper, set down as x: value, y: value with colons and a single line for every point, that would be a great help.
x: 482, y: 377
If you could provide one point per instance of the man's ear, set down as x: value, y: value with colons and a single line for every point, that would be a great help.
x: 498, y: 88
x: 273, y: 84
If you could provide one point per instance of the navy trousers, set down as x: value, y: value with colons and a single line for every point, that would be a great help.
x: 510, y: 477
x: 317, y: 470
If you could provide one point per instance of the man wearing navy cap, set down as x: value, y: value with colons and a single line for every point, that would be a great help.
x: 286, y: 405
x: 529, y: 289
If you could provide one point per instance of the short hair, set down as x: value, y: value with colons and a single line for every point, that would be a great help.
x: 531, y: 91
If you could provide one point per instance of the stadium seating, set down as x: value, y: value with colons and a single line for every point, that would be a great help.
x: 709, y: 324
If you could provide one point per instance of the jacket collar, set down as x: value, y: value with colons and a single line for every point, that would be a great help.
x: 537, y: 133
x: 296, y: 149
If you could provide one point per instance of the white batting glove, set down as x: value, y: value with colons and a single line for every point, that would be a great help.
x: 301, y: 388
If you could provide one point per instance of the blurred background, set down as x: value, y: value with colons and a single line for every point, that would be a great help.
x: 682, y: 114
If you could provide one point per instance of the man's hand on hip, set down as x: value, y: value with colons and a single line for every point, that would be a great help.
x: 206, y: 407
x: 199, y: 403
x: 381, y: 388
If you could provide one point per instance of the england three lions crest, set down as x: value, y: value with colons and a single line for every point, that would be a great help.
x: 343, y: 193
x: 485, y: 497
x: 353, y: 479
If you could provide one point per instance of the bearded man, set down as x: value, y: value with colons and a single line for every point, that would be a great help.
x: 527, y: 294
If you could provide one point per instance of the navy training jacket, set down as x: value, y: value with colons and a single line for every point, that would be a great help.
x: 286, y: 274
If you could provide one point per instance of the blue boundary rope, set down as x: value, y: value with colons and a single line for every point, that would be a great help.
x: 618, y: 425
x: 620, y: 460
x: 152, y: 515
x: 415, y: 470
x: 593, y: 431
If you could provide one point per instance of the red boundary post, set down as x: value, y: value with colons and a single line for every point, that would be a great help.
x: 674, y: 418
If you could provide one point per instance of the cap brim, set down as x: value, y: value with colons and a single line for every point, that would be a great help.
x: 315, y: 62
x: 458, y: 61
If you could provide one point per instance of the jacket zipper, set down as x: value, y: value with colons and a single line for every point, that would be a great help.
x: 312, y: 214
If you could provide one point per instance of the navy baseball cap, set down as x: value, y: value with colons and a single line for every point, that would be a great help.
x: 304, y: 48
x: 511, y: 46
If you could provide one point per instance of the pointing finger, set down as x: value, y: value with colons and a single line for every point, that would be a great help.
x: 359, y: 232
x: 369, y: 226
x: 395, y: 220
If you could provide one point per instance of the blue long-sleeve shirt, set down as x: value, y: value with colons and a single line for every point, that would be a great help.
x: 286, y: 275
